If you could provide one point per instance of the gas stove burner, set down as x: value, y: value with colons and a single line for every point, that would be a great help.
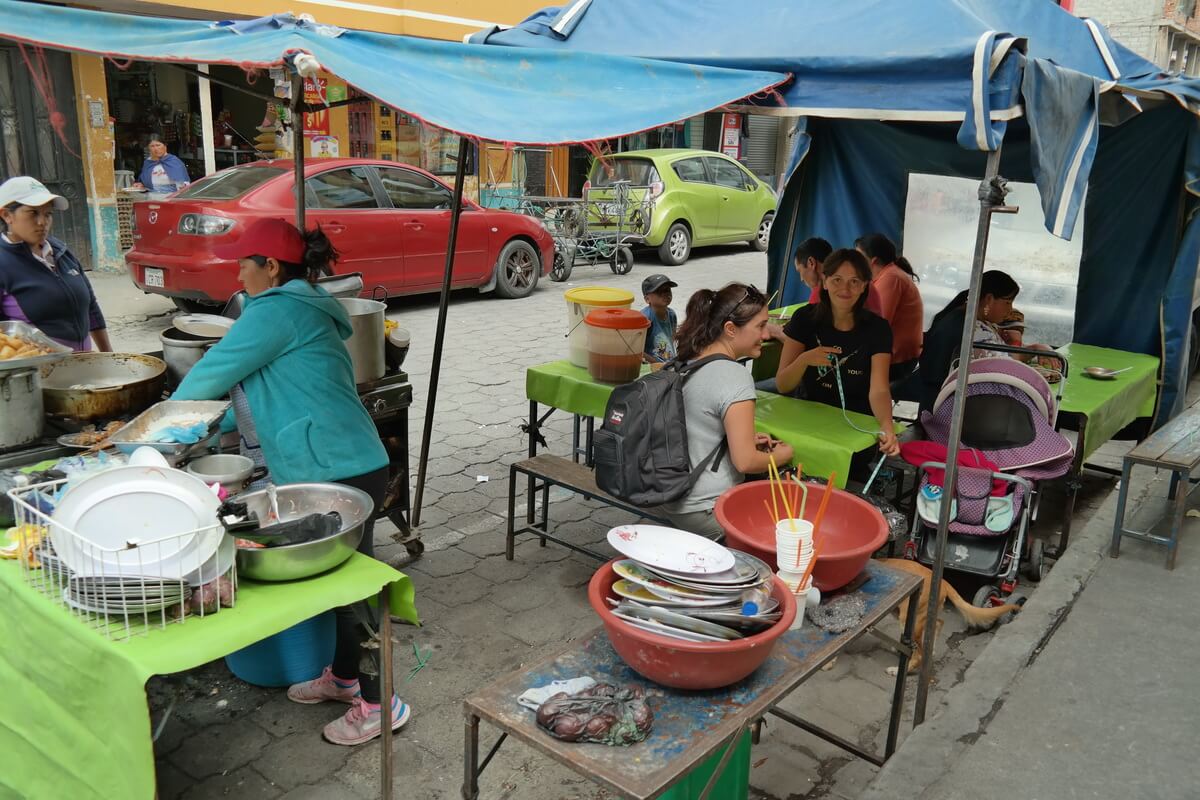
x: 386, y: 396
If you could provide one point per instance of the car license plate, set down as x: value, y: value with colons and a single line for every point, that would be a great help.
x: 154, y: 277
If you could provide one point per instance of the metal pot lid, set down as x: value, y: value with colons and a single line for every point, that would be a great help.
x: 208, y: 326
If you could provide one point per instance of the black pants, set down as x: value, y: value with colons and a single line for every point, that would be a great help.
x: 351, y: 633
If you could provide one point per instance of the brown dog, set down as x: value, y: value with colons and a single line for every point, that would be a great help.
x: 975, y: 617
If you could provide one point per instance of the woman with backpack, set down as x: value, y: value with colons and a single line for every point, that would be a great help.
x: 721, y: 328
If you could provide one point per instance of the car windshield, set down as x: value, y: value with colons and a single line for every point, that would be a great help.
x: 229, y: 184
x: 638, y: 171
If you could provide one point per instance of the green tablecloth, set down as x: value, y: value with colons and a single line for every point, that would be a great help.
x: 823, y: 442
x: 767, y: 364
x: 1108, y: 405
x: 75, y: 720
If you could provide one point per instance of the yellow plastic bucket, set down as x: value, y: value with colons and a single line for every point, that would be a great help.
x: 582, y: 300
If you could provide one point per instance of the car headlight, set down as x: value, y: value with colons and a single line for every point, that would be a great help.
x: 205, y: 225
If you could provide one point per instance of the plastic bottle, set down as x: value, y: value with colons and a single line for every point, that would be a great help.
x: 754, y: 599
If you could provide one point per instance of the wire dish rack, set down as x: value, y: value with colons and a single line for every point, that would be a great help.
x: 124, y: 590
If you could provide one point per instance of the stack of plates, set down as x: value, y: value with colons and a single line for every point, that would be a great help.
x: 122, y: 595
x: 687, y: 587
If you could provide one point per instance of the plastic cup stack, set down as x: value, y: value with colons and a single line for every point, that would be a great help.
x: 793, y: 550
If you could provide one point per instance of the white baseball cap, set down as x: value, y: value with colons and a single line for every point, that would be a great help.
x: 29, y: 192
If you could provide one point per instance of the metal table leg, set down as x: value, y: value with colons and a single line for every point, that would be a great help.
x: 730, y: 746
x: 1074, y: 484
x: 1114, y: 549
x: 1182, y: 494
x: 386, y: 690
x: 906, y: 639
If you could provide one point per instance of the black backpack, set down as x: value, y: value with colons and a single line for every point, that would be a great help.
x: 641, y: 449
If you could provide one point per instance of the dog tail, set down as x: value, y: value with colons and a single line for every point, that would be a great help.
x: 975, y: 616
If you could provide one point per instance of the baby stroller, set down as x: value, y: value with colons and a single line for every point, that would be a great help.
x: 1009, y: 444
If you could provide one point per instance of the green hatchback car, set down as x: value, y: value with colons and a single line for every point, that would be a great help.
x: 699, y: 198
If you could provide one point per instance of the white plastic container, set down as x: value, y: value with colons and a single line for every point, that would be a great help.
x: 580, y: 302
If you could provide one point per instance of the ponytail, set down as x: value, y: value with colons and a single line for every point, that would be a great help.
x: 708, y: 311
x: 319, y: 257
x: 994, y: 282
x: 880, y: 248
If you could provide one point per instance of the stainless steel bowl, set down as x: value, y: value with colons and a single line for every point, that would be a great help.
x: 296, y: 500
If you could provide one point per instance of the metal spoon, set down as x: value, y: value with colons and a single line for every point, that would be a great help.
x: 1103, y: 373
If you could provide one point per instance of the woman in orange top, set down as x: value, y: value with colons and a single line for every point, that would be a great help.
x: 894, y: 283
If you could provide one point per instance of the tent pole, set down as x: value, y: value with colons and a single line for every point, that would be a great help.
x: 991, y: 197
x: 298, y: 146
x: 440, y: 336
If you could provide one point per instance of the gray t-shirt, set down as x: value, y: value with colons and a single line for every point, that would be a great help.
x: 707, y: 395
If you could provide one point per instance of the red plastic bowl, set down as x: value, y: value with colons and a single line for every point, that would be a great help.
x: 686, y: 665
x: 852, y: 530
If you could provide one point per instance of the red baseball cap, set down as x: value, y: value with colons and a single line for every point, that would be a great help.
x: 271, y: 238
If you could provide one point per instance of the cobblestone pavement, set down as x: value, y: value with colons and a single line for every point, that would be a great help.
x: 484, y: 616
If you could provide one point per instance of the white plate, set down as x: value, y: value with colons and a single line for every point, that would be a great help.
x: 138, y: 505
x: 665, y: 630
x: 117, y: 610
x: 747, y: 570
x: 209, y: 326
x: 216, y: 566
x: 634, y: 573
x: 673, y: 620
x: 671, y: 549
x: 632, y: 591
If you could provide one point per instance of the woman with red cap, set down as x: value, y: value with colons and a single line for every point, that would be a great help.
x: 285, y: 366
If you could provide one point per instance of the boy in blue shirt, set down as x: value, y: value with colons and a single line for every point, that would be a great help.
x: 660, y: 338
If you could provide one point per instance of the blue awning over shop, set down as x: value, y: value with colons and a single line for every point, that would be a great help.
x: 486, y: 92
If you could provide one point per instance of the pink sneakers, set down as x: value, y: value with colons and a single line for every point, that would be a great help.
x: 326, y: 687
x: 362, y: 722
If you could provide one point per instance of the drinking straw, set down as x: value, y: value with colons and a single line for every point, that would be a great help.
x: 820, y: 515
x: 767, y: 506
x: 803, y: 488
x: 774, y: 505
x: 812, y: 562
x: 783, y: 495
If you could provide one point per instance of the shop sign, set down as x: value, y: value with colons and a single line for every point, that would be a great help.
x: 316, y: 123
x: 323, y: 147
x: 731, y: 135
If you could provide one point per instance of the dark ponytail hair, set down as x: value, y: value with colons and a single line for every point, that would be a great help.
x: 832, y: 264
x: 319, y: 257
x: 883, y: 250
x: 707, y: 313
x: 994, y: 282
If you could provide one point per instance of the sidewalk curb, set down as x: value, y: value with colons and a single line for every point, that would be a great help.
x: 927, y: 753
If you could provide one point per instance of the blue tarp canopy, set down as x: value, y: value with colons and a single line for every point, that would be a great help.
x: 882, y: 89
x: 485, y: 92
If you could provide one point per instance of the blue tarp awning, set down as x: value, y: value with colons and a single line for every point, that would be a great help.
x: 879, y: 71
x: 501, y: 95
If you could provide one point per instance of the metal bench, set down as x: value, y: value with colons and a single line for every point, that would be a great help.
x: 1175, y: 446
x: 542, y: 472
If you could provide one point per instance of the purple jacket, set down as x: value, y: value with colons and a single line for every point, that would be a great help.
x: 59, y: 302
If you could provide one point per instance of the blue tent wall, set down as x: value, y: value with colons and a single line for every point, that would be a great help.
x: 1137, y: 263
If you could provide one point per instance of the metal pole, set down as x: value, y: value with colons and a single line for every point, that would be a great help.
x: 298, y: 146
x: 988, y: 191
x: 386, y: 692
x: 440, y: 336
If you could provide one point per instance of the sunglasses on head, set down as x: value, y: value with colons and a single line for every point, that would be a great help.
x: 750, y: 293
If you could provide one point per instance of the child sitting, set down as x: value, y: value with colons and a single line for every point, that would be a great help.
x: 660, y: 338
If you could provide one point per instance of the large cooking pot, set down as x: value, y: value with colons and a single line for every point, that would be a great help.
x: 366, y: 343
x: 182, y: 351
x: 102, y: 386
x: 22, y: 418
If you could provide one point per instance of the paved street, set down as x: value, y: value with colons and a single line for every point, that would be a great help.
x: 483, y: 615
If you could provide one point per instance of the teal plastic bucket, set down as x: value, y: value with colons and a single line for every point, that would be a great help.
x: 291, y: 656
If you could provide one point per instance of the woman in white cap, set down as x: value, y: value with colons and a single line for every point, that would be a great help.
x: 41, y: 281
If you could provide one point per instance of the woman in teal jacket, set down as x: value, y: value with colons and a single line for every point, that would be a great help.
x: 285, y: 366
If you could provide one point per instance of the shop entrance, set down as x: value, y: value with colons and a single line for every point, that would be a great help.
x: 29, y: 146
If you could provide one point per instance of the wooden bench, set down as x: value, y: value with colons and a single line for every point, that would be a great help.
x: 542, y: 472
x: 1175, y: 446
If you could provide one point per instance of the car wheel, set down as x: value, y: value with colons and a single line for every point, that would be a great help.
x: 517, y: 269
x: 676, y: 248
x: 564, y: 262
x: 623, y: 261
x: 763, y: 237
x: 190, y: 306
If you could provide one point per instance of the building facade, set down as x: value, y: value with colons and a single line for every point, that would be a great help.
x: 108, y: 111
x: 1166, y: 32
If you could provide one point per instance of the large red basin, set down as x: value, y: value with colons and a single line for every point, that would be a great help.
x: 852, y: 530
x: 686, y: 665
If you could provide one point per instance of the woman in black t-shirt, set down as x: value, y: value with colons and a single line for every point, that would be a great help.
x: 838, y: 334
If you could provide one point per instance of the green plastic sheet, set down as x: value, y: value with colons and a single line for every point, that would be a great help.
x: 75, y: 721
x: 824, y: 442
x: 1108, y: 405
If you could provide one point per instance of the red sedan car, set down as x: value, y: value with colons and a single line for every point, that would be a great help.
x: 388, y: 221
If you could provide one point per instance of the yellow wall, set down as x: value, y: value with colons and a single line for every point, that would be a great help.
x: 433, y: 19
x: 96, y: 149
